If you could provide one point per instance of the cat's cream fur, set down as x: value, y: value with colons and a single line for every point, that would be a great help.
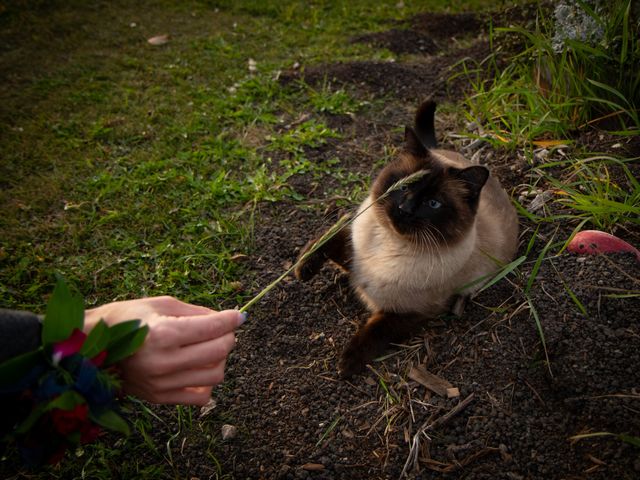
x: 408, y: 260
x: 391, y: 274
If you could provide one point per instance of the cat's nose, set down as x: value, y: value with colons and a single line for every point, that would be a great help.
x: 405, y: 207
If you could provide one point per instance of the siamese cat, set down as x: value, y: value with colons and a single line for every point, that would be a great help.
x: 411, y: 251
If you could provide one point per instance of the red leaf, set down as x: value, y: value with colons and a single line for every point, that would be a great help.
x: 593, y: 242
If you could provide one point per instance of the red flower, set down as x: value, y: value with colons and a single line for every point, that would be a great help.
x: 67, y: 347
x: 99, y: 359
x: 58, y: 455
x: 89, y: 432
x: 68, y: 421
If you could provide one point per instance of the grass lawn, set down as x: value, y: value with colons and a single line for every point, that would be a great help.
x: 133, y: 169
x: 136, y: 169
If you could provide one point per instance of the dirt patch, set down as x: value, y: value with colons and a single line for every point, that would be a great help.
x: 444, y: 26
x: 433, y: 77
x: 400, y: 41
x: 515, y: 415
x: 431, y: 74
x: 294, y: 412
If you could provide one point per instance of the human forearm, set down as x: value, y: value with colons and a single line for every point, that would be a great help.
x: 19, y: 332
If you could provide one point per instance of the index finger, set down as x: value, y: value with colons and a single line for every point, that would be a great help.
x: 200, y: 328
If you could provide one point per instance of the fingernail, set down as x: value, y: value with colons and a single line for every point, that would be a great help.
x: 243, y: 318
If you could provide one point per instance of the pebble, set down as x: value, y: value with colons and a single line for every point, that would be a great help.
x: 229, y: 432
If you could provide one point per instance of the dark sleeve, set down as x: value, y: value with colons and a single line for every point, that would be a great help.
x: 19, y: 333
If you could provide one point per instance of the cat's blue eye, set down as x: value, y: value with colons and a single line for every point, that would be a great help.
x: 433, y: 203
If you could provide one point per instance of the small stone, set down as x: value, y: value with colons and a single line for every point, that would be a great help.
x: 229, y: 432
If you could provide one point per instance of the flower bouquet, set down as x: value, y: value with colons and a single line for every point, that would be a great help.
x: 64, y: 392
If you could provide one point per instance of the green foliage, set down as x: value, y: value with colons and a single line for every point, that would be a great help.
x: 126, y: 344
x: 604, y: 192
x: 540, y: 92
x: 333, y: 101
x: 65, y: 313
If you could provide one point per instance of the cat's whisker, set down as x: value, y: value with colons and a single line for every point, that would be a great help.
x: 438, y: 256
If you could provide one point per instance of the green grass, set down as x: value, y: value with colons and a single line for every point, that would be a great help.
x: 537, y: 96
x: 138, y: 170
x: 540, y: 93
x: 131, y: 167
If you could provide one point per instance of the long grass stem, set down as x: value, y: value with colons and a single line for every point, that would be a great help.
x: 344, y: 221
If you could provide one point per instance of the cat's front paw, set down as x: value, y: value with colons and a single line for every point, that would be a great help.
x: 305, y: 269
x: 351, y: 365
x: 355, y: 358
x: 309, y: 262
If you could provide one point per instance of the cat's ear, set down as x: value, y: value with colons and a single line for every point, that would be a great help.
x: 425, y: 124
x: 474, y: 178
x: 412, y: 143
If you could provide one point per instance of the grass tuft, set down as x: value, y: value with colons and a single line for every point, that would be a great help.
x: 546, y: 92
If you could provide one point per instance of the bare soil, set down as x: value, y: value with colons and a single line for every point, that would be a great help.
x: 521, y: 399
x: 516, y: 412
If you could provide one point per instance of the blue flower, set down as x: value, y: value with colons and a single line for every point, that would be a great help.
x: 50, y: 386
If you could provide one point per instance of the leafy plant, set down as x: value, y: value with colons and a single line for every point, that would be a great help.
x: 546, y: 92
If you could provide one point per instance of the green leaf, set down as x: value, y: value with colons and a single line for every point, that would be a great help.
x: 111, y: 421
x: 495, y: 276
x: 635, y: 441
x: 121, y: 329
x: 506, y: 270
x: 33, y: 417
x: 66, y: 401
x: 536, y: 317
x: 74, y: 438
x: 536, y: 267
x: 15, y: 368
x: 65, y: 312
x: 126, y: 346
x: 532, y: 240
x: 97, y: 340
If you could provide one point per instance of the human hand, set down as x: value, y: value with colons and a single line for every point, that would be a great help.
x: 185, y: 351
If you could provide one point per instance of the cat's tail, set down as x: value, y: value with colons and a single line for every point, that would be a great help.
x: 425, y: 125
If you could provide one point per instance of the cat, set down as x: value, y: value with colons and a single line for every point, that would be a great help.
x: 411, y: 252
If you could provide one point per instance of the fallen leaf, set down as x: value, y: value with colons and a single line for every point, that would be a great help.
x: 208, y: 408
x: 593, y: 242
x: 158, y: 40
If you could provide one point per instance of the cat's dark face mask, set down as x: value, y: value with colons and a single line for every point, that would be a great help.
x: 436, y: 210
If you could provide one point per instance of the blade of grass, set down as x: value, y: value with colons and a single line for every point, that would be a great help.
x: 536, y: 266
x: 326, y: 433
x: 503, y: 272
x: 342, y: 223
x: 536, y: 317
